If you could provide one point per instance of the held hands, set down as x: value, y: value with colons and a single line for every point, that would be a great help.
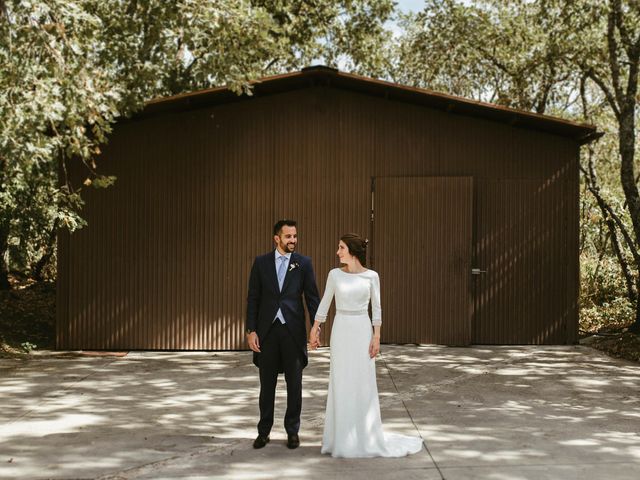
x: 314, y: 337
x: 374, y: 346
x: 253, y: 342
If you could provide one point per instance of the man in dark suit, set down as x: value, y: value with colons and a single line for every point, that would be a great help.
x: 275, y: 326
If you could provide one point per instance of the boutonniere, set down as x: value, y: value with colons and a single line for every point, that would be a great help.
x: 293, y: 266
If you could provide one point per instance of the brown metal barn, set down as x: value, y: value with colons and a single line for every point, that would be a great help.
x: 472, y: 212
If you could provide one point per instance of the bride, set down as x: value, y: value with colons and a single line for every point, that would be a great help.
x: 353, y: 427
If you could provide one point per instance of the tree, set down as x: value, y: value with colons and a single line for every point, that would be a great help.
x: 548, y: 56
x: 510, y: 53
x: 612, y: 63
x: 70, y: 68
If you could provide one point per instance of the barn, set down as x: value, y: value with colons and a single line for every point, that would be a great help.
x: 471, y: 209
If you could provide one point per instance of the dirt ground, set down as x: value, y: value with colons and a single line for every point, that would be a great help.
x: 27, y: 318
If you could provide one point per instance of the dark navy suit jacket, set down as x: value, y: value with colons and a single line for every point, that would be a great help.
x: 265, y: 298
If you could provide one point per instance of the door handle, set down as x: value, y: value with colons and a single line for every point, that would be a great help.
x: 477, y: 271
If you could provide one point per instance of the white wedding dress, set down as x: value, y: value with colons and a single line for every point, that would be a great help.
x: 353, y: 427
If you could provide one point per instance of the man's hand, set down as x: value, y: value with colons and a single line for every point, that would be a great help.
x: 253, y: 342
x: 314, y: 338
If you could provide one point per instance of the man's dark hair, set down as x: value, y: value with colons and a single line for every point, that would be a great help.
x: 281, y: 223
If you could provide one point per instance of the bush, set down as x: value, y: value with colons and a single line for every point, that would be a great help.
x: 604, y: 305
x: 609, y: 316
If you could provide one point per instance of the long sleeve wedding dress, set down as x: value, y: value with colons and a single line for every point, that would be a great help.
x: 353, y: 426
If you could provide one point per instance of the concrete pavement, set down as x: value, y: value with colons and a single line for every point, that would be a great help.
x: 498, y: 413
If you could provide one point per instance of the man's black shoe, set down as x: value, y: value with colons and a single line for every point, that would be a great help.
x: 293, y: 441
x: 260, y: 441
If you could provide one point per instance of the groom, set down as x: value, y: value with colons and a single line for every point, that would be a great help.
x: 275, y: 326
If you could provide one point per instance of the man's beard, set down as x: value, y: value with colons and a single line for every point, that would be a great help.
x: 289, y: 247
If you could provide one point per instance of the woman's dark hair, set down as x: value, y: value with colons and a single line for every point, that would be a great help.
x: 281, y: 223
x: 357, y: 246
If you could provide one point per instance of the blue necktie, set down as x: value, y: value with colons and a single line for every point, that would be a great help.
x: 282, y: 271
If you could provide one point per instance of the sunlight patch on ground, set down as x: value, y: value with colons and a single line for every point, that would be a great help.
x: 580, y: 442
x: 515, y: 454
x: 39, y: 428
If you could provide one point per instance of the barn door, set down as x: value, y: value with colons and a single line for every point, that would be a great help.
x: 521, y: 249
x: 422, y: 234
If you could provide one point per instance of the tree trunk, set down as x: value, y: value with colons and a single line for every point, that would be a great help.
x: 627, y: 177
x: 4, y: 271
x: 612, y: 222
x: 635, y: 326
x: 631, y: 193
x: 48, y: 253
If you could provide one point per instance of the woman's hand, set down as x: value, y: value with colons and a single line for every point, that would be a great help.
x: 374, y: 346
x: 314, y: 337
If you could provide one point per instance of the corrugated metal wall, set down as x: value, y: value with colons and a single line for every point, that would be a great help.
x: 422, y: 231
x: 164, y: 262
x: 521, y: 240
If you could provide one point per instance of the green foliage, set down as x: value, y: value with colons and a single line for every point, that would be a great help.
x: 603, y: 298
x: 28, y: 347
x: 101, y: 181
x: 70, y: 68
x: 509, y: 53
x: 603, y: 302
x: 607, y: 316
x: 573, y: 59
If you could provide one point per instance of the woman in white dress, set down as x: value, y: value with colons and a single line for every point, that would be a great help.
x: 353, y: 427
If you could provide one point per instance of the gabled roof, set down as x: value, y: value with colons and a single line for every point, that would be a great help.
x: 330, y: 77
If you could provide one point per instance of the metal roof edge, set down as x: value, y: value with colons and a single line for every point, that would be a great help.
x: 320, y: 75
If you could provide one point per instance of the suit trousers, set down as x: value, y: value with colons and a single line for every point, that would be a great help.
x: 280, y: 353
